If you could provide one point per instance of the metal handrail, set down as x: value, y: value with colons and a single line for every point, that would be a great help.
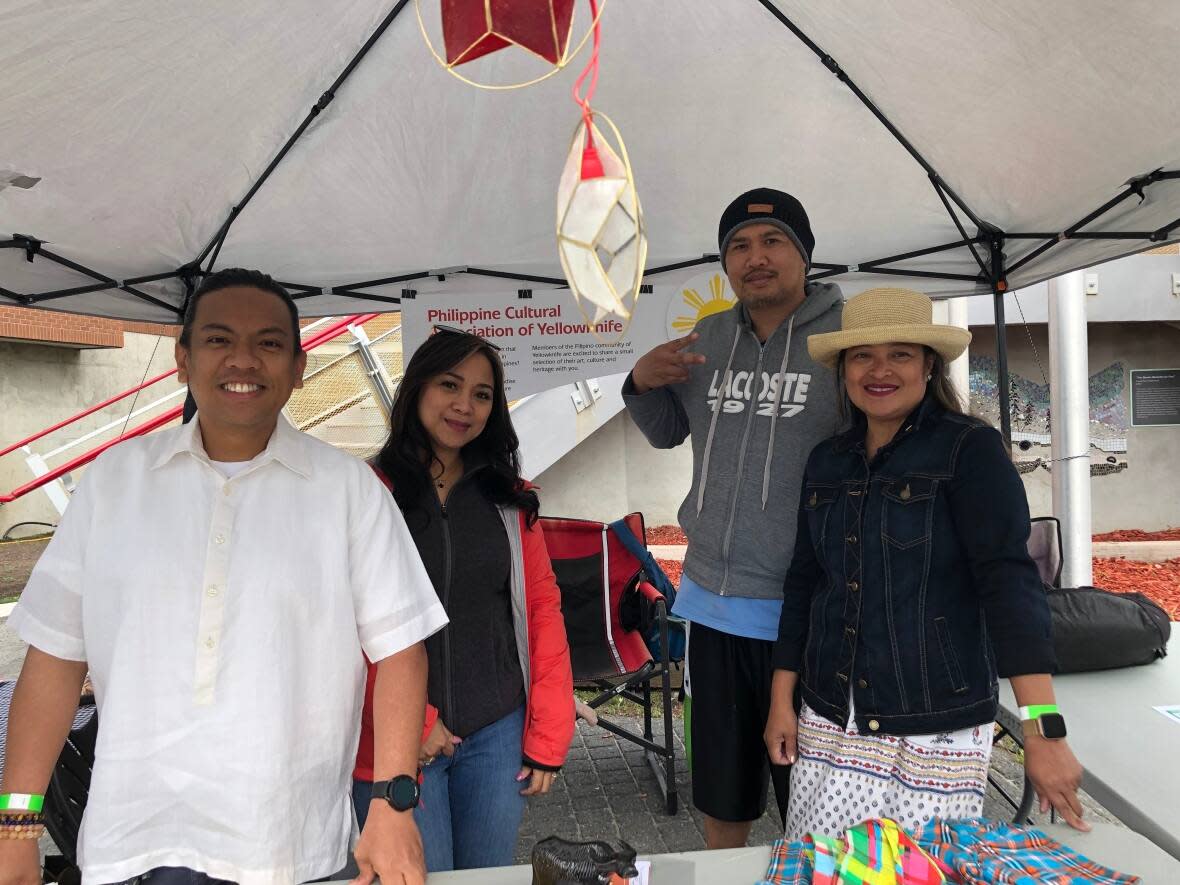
x: 320, y: 337
x: 97, y: 407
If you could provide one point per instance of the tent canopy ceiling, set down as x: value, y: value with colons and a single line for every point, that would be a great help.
x: 147, y: 122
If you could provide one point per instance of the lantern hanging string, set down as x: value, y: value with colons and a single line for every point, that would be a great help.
x: 591, y: 164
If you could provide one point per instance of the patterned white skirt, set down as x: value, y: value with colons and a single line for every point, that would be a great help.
x: 843, y: 777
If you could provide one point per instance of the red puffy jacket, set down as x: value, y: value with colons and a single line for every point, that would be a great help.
x: 549, y: 708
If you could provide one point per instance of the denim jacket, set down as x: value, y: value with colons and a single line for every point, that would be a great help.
x: 911, y: 587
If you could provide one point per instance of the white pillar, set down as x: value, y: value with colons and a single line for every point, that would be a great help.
x: 953, y: 312
x: 960, y: 371
x: 1069, y: 406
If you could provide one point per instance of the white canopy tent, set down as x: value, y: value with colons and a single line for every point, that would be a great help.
x: 969, y: 147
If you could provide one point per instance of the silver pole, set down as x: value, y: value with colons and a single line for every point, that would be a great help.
x: 960, y: 370
x: 1069, y: 407
x: 378, y: 379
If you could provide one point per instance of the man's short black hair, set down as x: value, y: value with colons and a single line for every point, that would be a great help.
x: 238, y: 276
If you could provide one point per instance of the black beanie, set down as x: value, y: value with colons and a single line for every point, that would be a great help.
x: 765, y: 205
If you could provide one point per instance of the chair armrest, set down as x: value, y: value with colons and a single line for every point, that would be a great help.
x: 652, y: 594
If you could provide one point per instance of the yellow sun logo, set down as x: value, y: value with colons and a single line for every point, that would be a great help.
x: 698, y: 308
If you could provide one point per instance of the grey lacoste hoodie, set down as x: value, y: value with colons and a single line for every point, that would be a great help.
x: 754, y: 412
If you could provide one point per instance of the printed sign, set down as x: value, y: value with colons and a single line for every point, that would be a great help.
x: 545, y: 341
x: 1155, y: 397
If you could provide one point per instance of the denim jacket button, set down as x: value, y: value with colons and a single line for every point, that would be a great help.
x: 843, y: 677
x: 851, y: 631
x: 862, y: 683
x: 874, y: 725
x: 853, y: 586
x: 851, y: 539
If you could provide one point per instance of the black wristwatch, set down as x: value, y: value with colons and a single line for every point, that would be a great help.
x: 401, y: 793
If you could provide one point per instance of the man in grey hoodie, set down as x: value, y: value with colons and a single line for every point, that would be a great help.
x: 744, y: 388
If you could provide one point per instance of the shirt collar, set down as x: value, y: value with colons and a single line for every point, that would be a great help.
x: 286, y: 446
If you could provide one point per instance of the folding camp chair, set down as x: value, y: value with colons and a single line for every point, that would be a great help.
x: 69, y: 786
x: 596, y: 573
x: 1044, y: 546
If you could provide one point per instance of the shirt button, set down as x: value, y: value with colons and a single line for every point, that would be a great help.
x: 853, y: 586
x: 220, y: 539
x: 863, y: 683
x: 209, y: 643
x: 212, y: 590
x: 226, y: 489
x: 874, y: 725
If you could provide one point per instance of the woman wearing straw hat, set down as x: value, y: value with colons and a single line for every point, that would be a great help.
x: 910, y: 591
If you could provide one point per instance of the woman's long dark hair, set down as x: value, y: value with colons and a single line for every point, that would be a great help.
x: 939, y: 386
x: 407, y: 456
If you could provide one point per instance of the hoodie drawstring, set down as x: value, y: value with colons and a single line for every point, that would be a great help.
x: 737, y: 334
x: 778, y: 400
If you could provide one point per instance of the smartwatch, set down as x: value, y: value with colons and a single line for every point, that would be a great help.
x: 1043, y: 719
x: 402, y: 792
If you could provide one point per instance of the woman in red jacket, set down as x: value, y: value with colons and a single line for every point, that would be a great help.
x: 500, y: 716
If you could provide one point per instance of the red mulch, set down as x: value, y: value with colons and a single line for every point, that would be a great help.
x: 665, y: 534
x: 672, y: 569
x: 1139, y: 535
x: 671, y: 534
x: 1158, y: 581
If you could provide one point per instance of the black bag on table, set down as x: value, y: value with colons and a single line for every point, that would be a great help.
x: 1095, y: 629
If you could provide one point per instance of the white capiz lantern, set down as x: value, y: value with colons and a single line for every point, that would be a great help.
x: 600, y: 232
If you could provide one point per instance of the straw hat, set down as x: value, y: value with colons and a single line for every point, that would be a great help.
x: 884, y: 316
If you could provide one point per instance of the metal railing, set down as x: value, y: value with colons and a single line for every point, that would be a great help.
x: 344, y: 400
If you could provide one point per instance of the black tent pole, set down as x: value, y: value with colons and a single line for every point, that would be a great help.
x: 999, y: 287
x: 214, y: 245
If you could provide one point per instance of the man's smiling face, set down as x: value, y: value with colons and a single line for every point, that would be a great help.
x: 241, y: 362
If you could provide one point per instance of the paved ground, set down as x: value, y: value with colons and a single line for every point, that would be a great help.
x: 16, y: 561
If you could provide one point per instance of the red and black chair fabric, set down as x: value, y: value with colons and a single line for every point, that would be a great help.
x: 603, y: 588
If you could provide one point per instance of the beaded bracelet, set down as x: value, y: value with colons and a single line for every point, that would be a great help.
x: 21, y: 824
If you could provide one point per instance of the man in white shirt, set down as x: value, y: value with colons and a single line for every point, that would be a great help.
x: 220, y: 580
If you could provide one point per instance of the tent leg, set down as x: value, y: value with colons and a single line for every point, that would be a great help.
x: 1069, y: 417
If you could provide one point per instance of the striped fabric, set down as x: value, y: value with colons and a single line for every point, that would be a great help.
x: 876, y: 852
x: 970, y: 852
x: 981, y: 852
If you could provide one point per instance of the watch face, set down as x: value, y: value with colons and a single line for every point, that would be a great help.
x: 1052, y: 725
x: 403, y: 792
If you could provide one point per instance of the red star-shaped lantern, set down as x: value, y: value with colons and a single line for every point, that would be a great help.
x: 474, y: 28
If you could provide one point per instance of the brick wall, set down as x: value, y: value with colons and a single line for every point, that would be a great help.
x: 50, y: 327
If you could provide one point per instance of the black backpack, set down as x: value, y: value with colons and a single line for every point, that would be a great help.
x: 1095, y: 629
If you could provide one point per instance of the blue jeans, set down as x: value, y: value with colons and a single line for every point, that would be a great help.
x: 471, y: 806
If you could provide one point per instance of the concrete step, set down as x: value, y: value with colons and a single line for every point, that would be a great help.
x: 1140, y: 551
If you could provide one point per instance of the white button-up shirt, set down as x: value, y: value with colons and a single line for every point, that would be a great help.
x: 223, y: 621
